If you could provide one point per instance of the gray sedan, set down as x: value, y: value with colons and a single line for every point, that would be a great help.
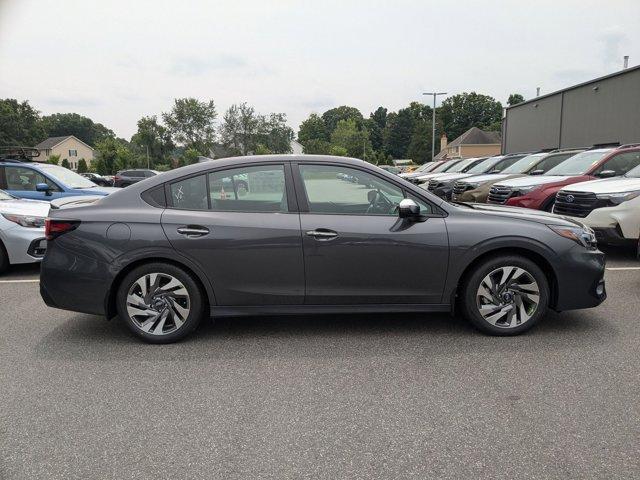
x: 285, y: 235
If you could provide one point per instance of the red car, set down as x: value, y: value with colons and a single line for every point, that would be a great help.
x: 539, y: 192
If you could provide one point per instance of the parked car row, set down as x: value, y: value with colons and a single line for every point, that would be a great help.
x: 600, y: 186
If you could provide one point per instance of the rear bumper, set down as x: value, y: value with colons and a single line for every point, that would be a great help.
x: 580, y: 277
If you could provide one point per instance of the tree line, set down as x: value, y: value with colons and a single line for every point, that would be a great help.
x: 190, y: 129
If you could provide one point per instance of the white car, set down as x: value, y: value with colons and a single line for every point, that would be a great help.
x: 611, y: 206
x: 22, y: 237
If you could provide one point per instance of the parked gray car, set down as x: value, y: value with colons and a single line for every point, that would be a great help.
x: 177, y: 247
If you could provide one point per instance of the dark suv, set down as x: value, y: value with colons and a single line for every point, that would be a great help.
x: 124, y: 178
x: 194, y: 242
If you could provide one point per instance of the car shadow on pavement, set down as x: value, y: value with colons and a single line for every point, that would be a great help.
x: 90, y: 338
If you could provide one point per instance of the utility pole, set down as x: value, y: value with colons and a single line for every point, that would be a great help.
x: 364, y: 149
x: 433, y: 116
x: 148, y: 163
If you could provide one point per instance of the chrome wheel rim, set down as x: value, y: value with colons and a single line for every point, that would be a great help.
x: 508, y: 297
x: 158, y: 303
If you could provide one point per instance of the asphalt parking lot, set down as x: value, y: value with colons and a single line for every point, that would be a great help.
x: 367, y: 396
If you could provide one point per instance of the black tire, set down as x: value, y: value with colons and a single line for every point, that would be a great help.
x: 471, y: 284
x: 195, y: 297
x: 4, y: 259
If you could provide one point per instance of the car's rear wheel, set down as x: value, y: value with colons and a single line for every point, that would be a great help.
x: 505, y: 295
x: 4, y: 259
x: 160, y: 302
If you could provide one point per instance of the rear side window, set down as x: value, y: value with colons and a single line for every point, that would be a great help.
x: 190, y: 194
x: 621, y: 163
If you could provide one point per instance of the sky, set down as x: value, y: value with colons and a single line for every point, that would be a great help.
x: 116, y: 61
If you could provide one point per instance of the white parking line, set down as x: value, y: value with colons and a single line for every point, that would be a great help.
x: 622, y: 268
x: 20, y: 281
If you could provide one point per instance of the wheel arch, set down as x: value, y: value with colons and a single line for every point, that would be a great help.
x: 530, y: 253
x: 203, y: 284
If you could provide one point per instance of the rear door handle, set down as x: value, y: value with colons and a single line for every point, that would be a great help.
x: 193, y: 231
x: 322, y: 234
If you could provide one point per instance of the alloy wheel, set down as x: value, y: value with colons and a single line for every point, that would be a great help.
x: 158, y: 303
x: 508, y: 297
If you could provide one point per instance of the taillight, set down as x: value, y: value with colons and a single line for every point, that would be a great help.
x: 54, y: 228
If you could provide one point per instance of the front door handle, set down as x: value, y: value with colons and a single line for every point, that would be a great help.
x: 322, y: 234
x: 193, y: 231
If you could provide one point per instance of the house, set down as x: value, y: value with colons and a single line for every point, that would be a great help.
x: 68, y: 147
x: 472, y: 143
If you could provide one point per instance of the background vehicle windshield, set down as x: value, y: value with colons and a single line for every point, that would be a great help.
x: 66, y: 176
x: 463, y: 165
x: 524, y: 164
x: 5, y: 196
x: 633, y: 173
x: 578, y: 164
x: 483, y: 166
x: 446, y: 166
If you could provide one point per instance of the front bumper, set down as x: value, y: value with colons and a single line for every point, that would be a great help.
x: 623, y: 220
x: 580, y: 279
x: 24, y: 245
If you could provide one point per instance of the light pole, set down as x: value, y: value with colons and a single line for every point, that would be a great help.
x: 433, y: 116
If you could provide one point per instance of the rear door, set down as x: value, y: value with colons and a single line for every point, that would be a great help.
x: 242, y: 226
x: 356, y: 248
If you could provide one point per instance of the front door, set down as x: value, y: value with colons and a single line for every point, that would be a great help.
x: 356, y: 248
x: 21, y: 182
x: 241, y: 227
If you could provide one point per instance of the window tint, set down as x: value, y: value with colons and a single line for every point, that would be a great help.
x: 349, y: 191
x: 190, y: 194
x: 579, y: 164
x: 25, y: 179
x: 621, y: 163
x: 504, y: 163
x: 552, y: 161
x: 249, y: 189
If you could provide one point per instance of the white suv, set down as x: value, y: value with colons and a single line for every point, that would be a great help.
x: 610, y: 206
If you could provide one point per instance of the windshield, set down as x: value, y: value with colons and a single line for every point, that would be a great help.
x: 463, y: 165
x: 524, y: 164
x: 483, y: 166
x: 423, y: 167
x: 5, y: 196
x: 633, y: 173
x: 69, y: 178
x: 446, y: 166
x: 578, y: 164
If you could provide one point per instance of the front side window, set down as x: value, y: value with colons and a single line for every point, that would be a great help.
x: 333, y: 189
x: 622, y: 163
x: 25, y: 179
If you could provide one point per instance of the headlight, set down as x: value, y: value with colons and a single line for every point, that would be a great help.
x: 25, y: 220
x: 618, y: 198
x: 520, y: 191
x: 583, y: 236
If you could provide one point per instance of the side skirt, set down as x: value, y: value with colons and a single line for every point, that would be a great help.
x: 231, y: 311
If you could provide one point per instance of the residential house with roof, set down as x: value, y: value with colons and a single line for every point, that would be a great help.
x: 472, y: 143
x: 68, y: 147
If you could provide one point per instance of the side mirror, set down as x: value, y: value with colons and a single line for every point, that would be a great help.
x: 606, y: 174
x: 537, y: 172
x: 494, y: 171
x: 43, y: 187
x: 408, y: 209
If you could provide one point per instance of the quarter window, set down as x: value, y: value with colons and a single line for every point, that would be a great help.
x: 348, y: 191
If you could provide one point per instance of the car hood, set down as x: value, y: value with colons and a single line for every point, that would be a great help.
x: 34, y: 208
x: 491, y: 177
x: 537, y: 216
x: 429, y: 176
x: 532, y: 180
x: 96, y: 190
x: 606, y: 185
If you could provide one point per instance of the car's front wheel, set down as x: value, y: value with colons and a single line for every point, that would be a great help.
x: 505, y: 295
x: 160, y: 302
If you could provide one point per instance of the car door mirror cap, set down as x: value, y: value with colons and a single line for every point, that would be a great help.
x: 43, y: 187
x: 408, y: 209
x: 537, y: 172
x: 606, y: 174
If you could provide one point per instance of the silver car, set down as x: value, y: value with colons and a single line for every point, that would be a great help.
x: 22, y: 237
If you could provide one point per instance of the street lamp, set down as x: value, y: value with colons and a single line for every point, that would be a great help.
x: 433, y: 116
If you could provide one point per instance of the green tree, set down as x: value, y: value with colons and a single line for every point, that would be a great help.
x: 83, y: 128
x: 262, y: 150
x: 317, y: 147
x: 313, y: 128
x: 82, y: 166
x: 338, y: 151
x: 419, y: 149
x: 114, y: 154
x: 192, y: 123
x: 54, y: 159
x: 333, y: 116
x: 20, y: 124
x: 65, y: 163
x: 239, y: 129
x: 353, y: 140
x: 274, y: 133
x: 461, y: 112
x: 153, y: 138
x: 398, y: 133
x: 514, y: 99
